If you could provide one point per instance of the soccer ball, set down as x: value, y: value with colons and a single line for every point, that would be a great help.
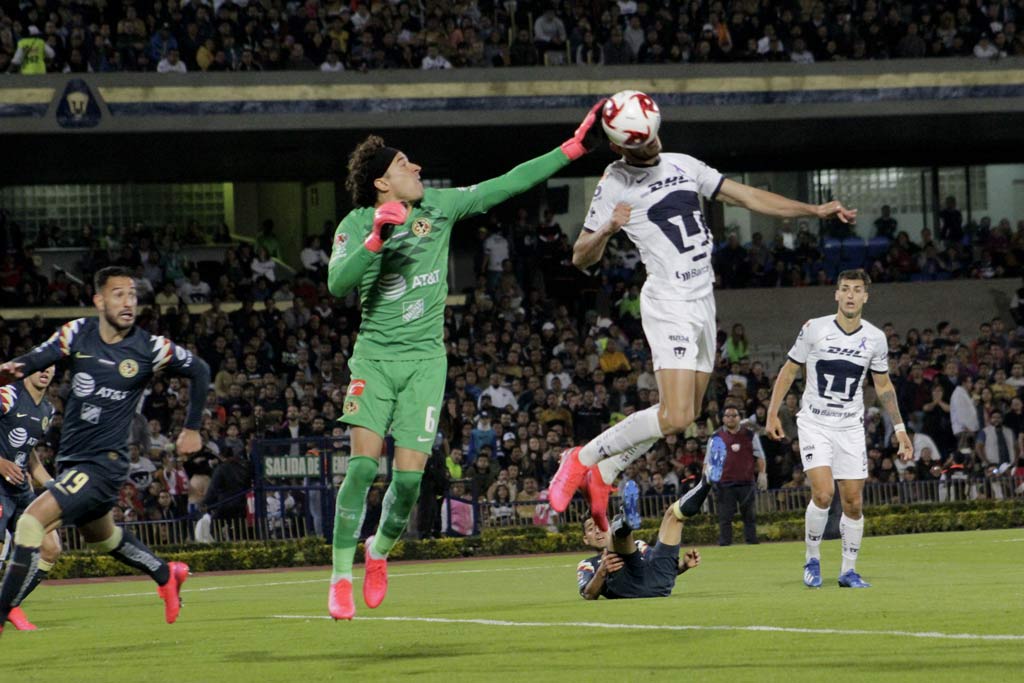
x: 630, y: 119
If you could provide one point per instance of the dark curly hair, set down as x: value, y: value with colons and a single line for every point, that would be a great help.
x: 357, y: 183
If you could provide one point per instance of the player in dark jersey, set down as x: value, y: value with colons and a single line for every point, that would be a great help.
x: 25, y: 416
x: 629, y: 568
x: 111, y: 362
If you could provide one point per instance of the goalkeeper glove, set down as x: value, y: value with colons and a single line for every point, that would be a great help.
x: 588, y: 136
x: 385, y: 218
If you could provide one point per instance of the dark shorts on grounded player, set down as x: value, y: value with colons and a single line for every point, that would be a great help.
x: 12, y: 505
x: 653, y: 577
x: 86, y: 490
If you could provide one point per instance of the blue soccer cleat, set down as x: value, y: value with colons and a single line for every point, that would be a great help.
x: 716, y: 459
x: 812, y: 574
x: 631, y: 503
x: 851, y: 579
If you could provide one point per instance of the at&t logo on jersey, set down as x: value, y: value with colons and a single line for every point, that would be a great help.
x: 392, y: 286
x: 431, y: 278
x: 17, y: 437
x: 82, y: 384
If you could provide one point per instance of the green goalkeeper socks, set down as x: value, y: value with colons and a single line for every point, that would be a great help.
x: 349, y: 511
x: 399, y: 500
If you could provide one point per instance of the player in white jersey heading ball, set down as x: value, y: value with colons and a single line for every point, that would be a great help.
x: 836, y: 351
x: 656, y: 198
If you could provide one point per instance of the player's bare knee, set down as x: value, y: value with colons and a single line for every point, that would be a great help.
x: 822, y: 499
x: 676, y: 420
x: 853, y: 509
x: 51, y: 548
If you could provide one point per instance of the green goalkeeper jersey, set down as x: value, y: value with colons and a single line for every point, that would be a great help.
x: 403, y: 287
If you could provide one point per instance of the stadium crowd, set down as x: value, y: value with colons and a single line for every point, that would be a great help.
x: 541, y: 356
x: 178, y: 36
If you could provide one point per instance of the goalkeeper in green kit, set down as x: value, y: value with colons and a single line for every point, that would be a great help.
x: 394, y: 247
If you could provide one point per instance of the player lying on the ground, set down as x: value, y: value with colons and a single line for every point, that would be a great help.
x: 628, y: 567
x: 394, y: 248
x: 25, y: 416
x: 111, y: 362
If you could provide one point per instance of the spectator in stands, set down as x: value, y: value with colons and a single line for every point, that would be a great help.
x: 171, y: 64
x: 262, y: 265
x: 951, y: 223
x: 885, y: 225
x: 194, y: 290
x: 434, y: 60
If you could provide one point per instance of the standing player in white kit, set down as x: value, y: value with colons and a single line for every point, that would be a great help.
x: 835, y: 351
x: 656, y: 198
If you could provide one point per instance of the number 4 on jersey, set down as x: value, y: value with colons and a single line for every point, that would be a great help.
x: 677, y: 212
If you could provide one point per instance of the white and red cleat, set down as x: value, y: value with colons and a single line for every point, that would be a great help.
x: 375, y: 583
x: 567, y: 479
x: 17, y: 617
x: 170, y: 592
x: 339, y: 600
x: 598, y: 492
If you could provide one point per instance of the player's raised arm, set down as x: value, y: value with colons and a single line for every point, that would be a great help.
x: 887, y: 397
x: 590, y: 246
x: 58, y: 346
x: 477, y: 199
x: 349, y: 260
x: 771, y: 204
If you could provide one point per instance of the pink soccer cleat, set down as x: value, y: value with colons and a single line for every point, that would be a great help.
x: 567, y: 479
x: 598, y: 492
x: 170, y: 592
x: 339, y: 600
x: 375, y: 583
x: 17, y: 617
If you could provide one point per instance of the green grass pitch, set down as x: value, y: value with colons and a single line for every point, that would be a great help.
x: 943, y: 607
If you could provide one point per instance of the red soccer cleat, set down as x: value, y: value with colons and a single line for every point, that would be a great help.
x: 170, y: 591
x: 375, y: 583
x: 17, y: 617
x: 598, y: 492
x: 567, y: 479
x: 339, y: 600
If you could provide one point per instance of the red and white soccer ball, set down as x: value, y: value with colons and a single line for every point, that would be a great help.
x: 631, y: 119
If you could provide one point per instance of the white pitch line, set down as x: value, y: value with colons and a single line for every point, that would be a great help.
x: 321, y: 580
x: 677, y: 627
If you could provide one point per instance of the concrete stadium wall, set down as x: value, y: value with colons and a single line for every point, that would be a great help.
x: 772, y: 317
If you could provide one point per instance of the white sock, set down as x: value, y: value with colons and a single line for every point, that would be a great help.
x: 852, y: 532
x: 815, y: 520
x: 611, y: 467
x: 634, y: 430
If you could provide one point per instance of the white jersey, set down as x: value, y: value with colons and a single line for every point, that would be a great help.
x: 834, y: 368
x: 667, y: 223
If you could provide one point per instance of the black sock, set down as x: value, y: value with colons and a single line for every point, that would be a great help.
x: 134, y: 553
x: 693, y: 499
x: 22, y: 566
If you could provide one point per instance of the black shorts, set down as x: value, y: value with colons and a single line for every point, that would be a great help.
x: 12, y: 505
x: 85, y: 490
x: 653, y: 577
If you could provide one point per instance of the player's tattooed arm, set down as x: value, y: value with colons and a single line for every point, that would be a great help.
x: 887, y: 397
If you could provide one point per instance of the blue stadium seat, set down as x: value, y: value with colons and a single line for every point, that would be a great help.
x: 877, y: 248
x: 854, y: 251
x: 833, y: 250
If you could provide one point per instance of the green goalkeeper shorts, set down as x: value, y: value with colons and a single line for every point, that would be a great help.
x: 403, y: 396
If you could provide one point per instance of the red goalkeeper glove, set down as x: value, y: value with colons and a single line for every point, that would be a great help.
x: 385, y: 218
x: 588, y: 136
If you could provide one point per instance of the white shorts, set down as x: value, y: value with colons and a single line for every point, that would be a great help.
x: 681, y: 333
x: 845, y: 451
